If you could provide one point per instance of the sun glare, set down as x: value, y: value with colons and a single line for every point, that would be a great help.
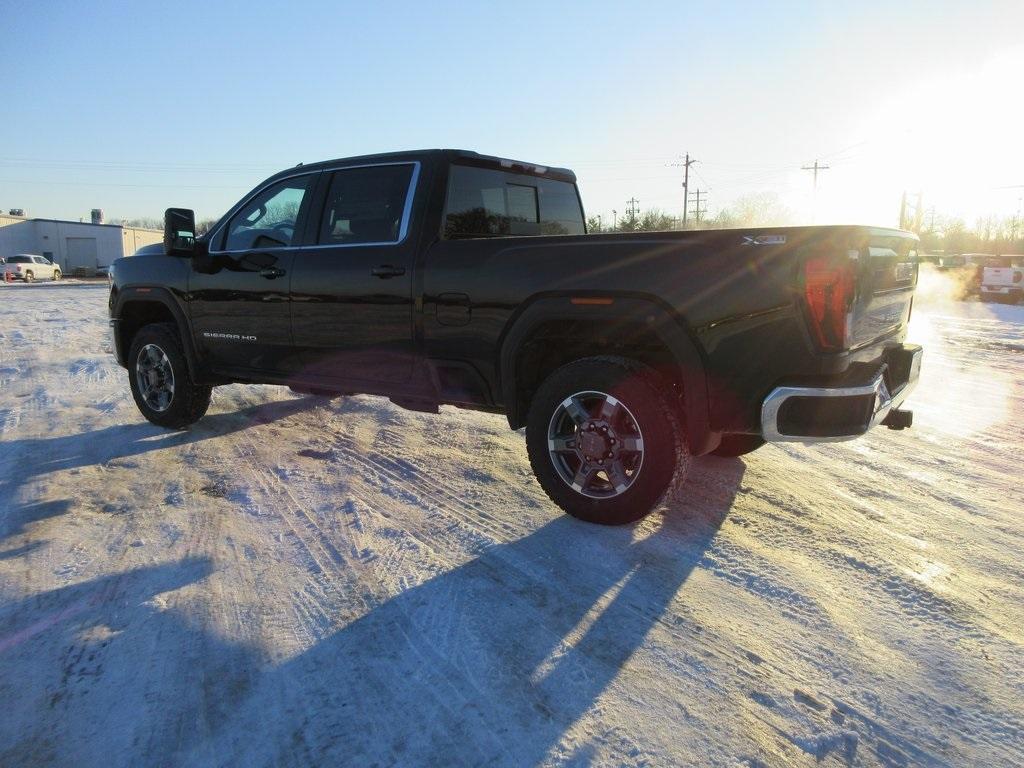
x: 955, y: 140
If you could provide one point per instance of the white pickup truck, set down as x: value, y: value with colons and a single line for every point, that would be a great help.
x: 1002, y: 279
x: 28, y: 267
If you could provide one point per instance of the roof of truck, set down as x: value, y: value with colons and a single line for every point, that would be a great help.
x: 464, y: 156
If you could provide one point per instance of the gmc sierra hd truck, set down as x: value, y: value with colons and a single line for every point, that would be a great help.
x: 449, y: 277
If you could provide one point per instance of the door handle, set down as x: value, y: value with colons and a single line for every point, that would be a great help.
x: 271, y: 272
x: 386, y: 271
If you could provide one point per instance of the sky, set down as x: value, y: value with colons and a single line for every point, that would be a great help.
x: 136, y: 107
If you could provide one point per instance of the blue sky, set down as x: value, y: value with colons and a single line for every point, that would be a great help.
x: 136, y: 107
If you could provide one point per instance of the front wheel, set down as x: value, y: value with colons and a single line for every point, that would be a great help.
x: 160, y: 380
x: 604, y: 439
x: 56, y: 275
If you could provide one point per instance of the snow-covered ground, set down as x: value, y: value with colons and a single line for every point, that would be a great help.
x: 300, y: 582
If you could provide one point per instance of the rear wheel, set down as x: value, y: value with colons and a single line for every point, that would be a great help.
x: 29, y: 277
x: 604, y: 439
x: 160, y: 380
x: 738, y: 445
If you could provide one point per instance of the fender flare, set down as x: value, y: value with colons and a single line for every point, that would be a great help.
x: 647, y: 312
x: 144, y: 294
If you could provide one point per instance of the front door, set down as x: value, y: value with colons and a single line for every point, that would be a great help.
x: 352, y: 303
x: 239, y: 301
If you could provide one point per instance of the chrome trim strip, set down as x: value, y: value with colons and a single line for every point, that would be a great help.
x: 885, y: 401
x: 403, y: 229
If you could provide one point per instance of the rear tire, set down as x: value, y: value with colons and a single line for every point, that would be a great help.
x: 160, y: 380
x: 738, y: 445
x: 617, y: 407
x: 29, y: 277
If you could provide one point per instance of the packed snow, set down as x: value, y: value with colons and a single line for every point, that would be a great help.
x: 296, y: 581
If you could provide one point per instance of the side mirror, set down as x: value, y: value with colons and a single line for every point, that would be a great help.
x: 179, y: 232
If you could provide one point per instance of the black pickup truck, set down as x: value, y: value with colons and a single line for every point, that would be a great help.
x: 448, y: 277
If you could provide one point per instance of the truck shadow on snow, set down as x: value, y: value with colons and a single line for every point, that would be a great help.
x: 491, y: 662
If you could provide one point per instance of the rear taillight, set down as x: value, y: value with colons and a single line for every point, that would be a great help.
x: 830, y: 283
x: 17, y: 268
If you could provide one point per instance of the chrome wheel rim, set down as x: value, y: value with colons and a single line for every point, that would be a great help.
x: 155, y: 377
x: 595, y: 444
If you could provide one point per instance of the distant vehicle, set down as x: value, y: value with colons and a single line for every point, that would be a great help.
x: 449, y: 277
x: 28, y: 267
x: 1002, y: 280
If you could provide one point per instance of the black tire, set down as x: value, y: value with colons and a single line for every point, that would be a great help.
x: 738, y: 445
x: 56, y: 275
x: 29, y: 277
x: 188, y: 401
x: 664, y: 457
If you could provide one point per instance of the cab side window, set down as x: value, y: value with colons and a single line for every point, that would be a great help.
x: 366, y: 205
x: 268, y: 220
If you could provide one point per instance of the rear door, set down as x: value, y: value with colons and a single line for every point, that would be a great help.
x: 240, y: 304
x: 352, y: 289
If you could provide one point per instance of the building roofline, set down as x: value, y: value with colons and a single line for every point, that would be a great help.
x: 90, y: 224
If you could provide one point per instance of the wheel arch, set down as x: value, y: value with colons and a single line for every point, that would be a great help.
x: 137, y: 307
x: 551, y: 330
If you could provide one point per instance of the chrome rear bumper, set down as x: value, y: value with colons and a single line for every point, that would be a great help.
x: 832, y: 414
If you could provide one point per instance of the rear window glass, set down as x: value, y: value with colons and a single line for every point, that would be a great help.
x: 486, y: 203
x: 19, y: 260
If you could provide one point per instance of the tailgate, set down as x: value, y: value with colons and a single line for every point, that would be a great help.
x: 886, y: 273
x: 997, y: 276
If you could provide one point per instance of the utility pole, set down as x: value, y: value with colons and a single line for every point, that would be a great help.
x: 816, y: 167
x: 685, y: 165
x: 634, y: 207
x: 599, y: 227
x: 697, y: 210
x: 615, y: 219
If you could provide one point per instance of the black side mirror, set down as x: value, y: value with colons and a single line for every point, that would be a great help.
x: 179, y: 232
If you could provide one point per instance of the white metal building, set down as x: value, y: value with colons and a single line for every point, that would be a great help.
x: 76, y: 247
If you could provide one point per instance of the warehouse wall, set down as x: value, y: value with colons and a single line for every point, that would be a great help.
x: 136, y: 238
x: 91, y: 246
x: 16, y: 236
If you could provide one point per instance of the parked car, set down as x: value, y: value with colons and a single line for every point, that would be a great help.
x: 28, y: 267
x: 1002, y: 280
x: 449, y: 277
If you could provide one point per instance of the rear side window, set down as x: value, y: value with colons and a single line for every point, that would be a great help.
x: 488, y: 203
x: 366, y: 205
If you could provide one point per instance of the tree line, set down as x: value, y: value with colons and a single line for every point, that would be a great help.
x: 990, y: 234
